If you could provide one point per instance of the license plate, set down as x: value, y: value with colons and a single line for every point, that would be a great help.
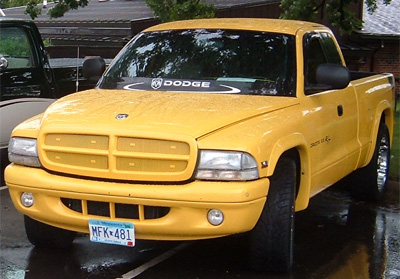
x: 110, y: 232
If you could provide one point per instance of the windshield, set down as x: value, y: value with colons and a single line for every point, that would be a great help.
x: 207, y: 61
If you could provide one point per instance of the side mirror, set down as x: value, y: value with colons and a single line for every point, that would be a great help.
x: 333, y: 75
x: 93, y: 68
x: 3, y: 63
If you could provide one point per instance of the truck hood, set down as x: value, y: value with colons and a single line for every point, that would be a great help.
x: 192, y: 114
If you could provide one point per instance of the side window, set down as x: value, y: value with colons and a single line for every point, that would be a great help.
x: 314, y: 56
x: 332, y: 53
x: 16, y: 48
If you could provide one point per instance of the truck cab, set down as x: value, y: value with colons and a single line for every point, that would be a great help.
x: 27, y: 84
x: 24, y: 67
x: 28, y: 81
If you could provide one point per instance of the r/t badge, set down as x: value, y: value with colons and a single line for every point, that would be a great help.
x: 121, y: 116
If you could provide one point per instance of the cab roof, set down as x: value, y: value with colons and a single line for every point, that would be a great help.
x: 16, y: 20
x: 253, y: 24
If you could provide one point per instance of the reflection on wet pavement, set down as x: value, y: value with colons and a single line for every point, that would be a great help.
x: 336, y: 238
x: 352, y: 239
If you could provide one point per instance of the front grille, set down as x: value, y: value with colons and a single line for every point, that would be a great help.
x: 119, y: 157
x: 116, y: 210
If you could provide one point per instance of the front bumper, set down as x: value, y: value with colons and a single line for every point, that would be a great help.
x: 69, y: 203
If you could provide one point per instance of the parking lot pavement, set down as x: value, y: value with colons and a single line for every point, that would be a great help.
x: 336, y: 237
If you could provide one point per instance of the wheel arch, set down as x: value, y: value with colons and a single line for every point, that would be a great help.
x: 387, y: 117
x: 384, y: 114
x: 294, y: 147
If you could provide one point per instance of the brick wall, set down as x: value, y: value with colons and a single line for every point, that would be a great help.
x: 384, y: 58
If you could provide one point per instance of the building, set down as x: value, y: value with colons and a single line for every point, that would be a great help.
x: 376, y: 48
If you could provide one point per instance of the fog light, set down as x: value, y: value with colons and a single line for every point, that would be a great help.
x: 215, y: 217
x: 27, y: 199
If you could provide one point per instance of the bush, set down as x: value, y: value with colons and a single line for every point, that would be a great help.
x: 171, y: 10
x: 394, y: 172
x: 15, y: 47
x: 13, y: 3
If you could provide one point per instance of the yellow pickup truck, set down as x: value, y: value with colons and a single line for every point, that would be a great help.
x: 203, y: 129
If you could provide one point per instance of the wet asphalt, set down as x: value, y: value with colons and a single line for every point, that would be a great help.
x: 336, y: 237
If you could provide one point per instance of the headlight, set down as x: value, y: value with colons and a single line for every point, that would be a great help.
x: 226, y: 165
x: 23, y: 151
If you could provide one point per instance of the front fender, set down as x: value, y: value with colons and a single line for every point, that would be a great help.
x: 297, y: 142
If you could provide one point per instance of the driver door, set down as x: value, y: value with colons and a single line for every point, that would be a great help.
x: 331, y: 117
x: 19, y: 64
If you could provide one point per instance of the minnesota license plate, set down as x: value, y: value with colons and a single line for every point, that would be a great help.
x: 111, y: 232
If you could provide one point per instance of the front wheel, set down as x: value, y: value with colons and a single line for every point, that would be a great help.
x: 369, y: 182
x: 271, y: 242
x: 46, y: 236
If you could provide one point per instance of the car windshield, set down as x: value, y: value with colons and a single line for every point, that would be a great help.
x: 206, y: 61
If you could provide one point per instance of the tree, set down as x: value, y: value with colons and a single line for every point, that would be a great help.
x: 171, y: 10
x: 338, y: 11
x: 165, y: 10
x: 32, y: 9
x: 58, y: 10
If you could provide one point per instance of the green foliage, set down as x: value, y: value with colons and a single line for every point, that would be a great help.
x: 15, y: 47
x: 47, y: 42
x: 171, y: 10
x: 338, y: 11
x: 394, y: 172
x: 64, y: 6
x: 339, y: 15
x: 165, y: 10
x: 372, y: 6
x: 61, y: 7
x: 32, y: 9
x: 299, y: 9
x: 13, y: 3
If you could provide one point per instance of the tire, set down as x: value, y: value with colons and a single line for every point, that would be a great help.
x: 271, y: 242
x: 45, y: 236
x: 369, y: 182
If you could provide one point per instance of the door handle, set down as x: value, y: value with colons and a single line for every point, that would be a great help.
x: 340, y: 110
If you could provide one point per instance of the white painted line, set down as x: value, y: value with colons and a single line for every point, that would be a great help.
x: 3, y: 188
x: 139, y: 270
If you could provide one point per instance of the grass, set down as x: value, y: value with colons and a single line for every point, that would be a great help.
x: 394, y: 172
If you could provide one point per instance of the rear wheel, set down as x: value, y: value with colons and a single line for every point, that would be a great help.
x: 46, y: 236
x: 271, y: 242
x: 369, y: 182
